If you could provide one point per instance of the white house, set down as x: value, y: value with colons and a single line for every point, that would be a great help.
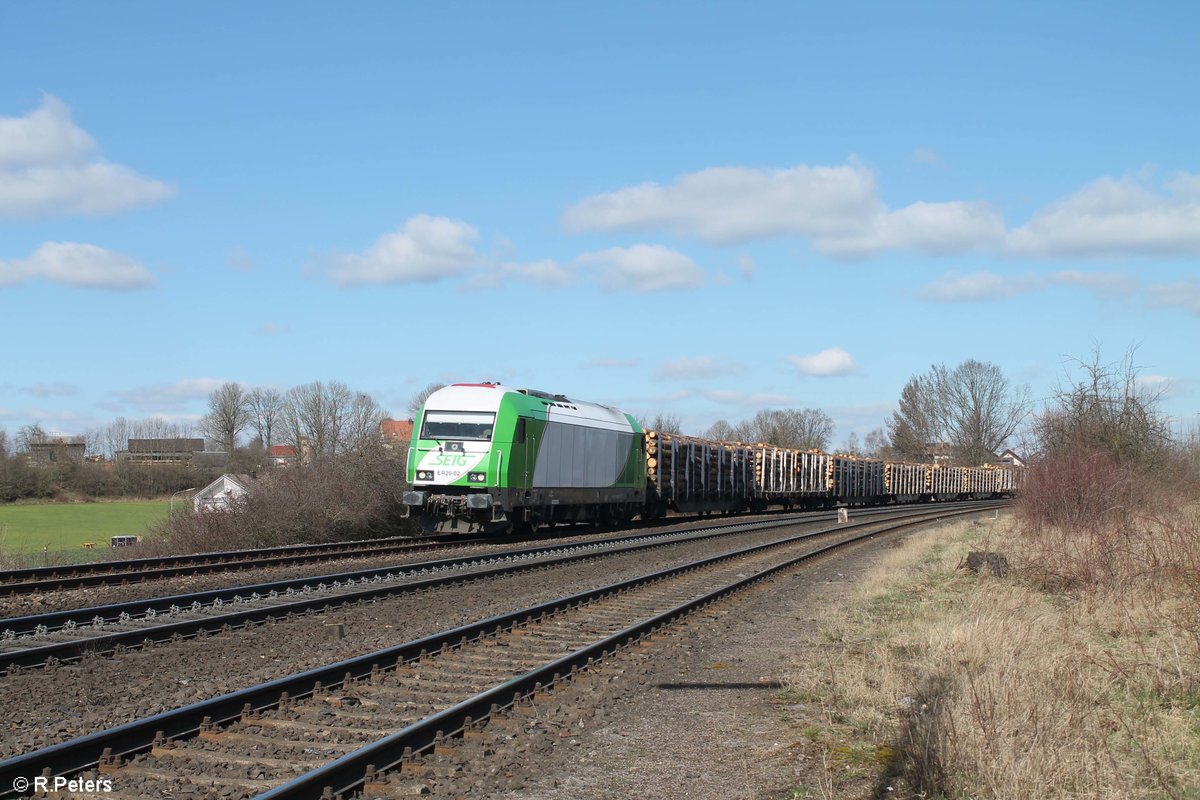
x: 220, y: 494
x: 1010, y: 456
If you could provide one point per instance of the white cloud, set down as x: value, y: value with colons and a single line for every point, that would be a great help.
x: 699, y: 368
x: 425, y: 249
x: 747, y: 267
x: 545, y: 272
x: 1116, y: 217
x: 748, y: 399
x: 1184, y: 295
x: 429, y: 249
x: 1161, y: 385
x: 923, y: 155
x: 55, y: 389
x: 837, y: 208
x: 1101, y: 283
x: 76, y: 264
x: 935, y: 228
x: 612, y: 363
x: 734, y: 204
x: 975, y: 287
x: 642, y: 268
x: 160, y: 397
x: 273, y: 329
x: 240, y: 260
x: 41, y: 415
x: 827, y: 363
x: 987, y: 286
x: 49, y: 166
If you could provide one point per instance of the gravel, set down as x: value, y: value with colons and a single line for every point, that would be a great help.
x: 49, y: 705
x: 705, y: 718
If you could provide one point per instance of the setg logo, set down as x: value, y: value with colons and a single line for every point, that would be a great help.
x: 448, y: 467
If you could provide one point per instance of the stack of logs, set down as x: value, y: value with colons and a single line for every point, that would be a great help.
x: 652, y: 454
x: 702, y: 467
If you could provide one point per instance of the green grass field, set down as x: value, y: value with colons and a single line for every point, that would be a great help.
x: 27, y: 528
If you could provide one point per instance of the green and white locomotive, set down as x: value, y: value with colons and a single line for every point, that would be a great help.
x: 486, y: 457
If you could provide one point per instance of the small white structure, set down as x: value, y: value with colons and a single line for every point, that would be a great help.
x: 220, y: 494
x: 1010, y: 456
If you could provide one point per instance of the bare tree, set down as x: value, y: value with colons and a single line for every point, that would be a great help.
x: 116, y: 437
x: 3, y: 444
x: 161, y: 427
x: 227, y: 415
x: 418, y: 399
x: 851, y: 446
x: 266, y: 407
x: 973, y: 407
x: 29, y: 435
x: 914, y: 426
x: 666, y: 423
x: 318, y: 416
x: 93, y: 442
x: 721, y: 431
x: 1106, y: 411
x: 803, y: 429
x: 875, y: 445
x: 981, y: 409
x: 362, y: 429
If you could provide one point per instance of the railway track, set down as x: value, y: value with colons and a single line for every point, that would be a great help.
x: 91, y: 574
x: 33, y: 580
x: 395, y: 721
x: 60, y: 636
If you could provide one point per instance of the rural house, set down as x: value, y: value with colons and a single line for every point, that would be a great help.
x: 221, y: 493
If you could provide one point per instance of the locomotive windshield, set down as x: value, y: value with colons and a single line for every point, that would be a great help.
x: 476, y: 425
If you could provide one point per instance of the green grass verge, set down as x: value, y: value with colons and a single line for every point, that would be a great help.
x: 27, y: 528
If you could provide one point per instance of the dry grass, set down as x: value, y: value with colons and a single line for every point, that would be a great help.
x: 1016, y: 688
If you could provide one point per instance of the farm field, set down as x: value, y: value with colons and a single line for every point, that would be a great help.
x: 27, y: 528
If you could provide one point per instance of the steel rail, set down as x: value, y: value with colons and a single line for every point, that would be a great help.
x: 383, y: 582
x: 112, y: 612
x: 106, y: 573
x: 31, y: 580
x: 78, y: 754
x: 341, y: 776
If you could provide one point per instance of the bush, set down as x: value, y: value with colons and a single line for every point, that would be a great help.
x: 1088, y: 521
x: 333, y: 499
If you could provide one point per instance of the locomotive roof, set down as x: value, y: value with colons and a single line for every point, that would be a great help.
x: 487, y: 397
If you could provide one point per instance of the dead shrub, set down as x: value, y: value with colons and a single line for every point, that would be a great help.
x: 332, y: 499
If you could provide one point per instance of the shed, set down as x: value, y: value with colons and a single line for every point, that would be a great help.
x: 221, y: 493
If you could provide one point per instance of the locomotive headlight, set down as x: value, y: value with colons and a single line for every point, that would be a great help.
x: 424, y: 475
x: 477, y: 477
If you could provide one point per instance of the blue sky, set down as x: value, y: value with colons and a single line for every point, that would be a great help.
x: 701, y: 209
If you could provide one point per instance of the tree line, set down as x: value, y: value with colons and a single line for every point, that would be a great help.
x: 318, y: 418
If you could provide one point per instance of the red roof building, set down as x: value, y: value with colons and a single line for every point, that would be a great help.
x: 396, y: 431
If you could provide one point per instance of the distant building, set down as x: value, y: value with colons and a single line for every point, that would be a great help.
x: 189, y: 452
x: 281, y: 455
x: 1010, y: 456
x: 221, y: 494
x: 56, y: 450
x: 396, y: 432
x: 939, y: 453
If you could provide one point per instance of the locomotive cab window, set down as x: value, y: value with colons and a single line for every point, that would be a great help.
x: 473, y: 425
x: 519, y: 437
